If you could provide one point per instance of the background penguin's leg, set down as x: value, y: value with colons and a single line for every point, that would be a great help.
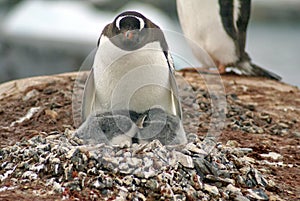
x: 248, y: 68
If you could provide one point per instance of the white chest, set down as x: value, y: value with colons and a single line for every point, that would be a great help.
x: 135, y: 80
x: 202, y: 24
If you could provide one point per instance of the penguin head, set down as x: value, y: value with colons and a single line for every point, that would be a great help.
x: 131, y: 30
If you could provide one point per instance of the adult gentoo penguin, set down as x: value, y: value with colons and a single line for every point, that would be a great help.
x: 133, y: 71
x: 219, y: 27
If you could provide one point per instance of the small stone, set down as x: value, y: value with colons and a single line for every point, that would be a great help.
x: 122, y: 195
x: 240, y: 198
x: 260, y: 130
x: 134, y: 162
x: 186, y: 152
x: 115, y: 161
x: 71, y: 153
x: 97, y: 184
x: 152, y: 184
x: 273, y: 155
x: 127, y: 154
x: 196, y: 182
x: 147, y: 162
x: 190, y: 192
x: 73, y: 185
x: 232, y: 188
x: 232, y: 143
x: 200, y: 166
x: 127, y: 180
x: 57, y: 187
x: 275, y: 198
x: 260, y: 180
x: 266, y: 117
x: 52, y: 114
x: 248, y: 159
x: 179, y: 197
x: 257, y: 194
x: 211, y: 189
x: 123, y: 166
x: 118, y: 181
x: 193, y: 148
x: 219, y: 179
x: 150, y: 173
x: 183, y: 159
x: 297, y: 134
x: 37, y: 167
x: 283, y: 125
x: 240, y: 180
x: 271, y: 184
x: 136, y: 181
x: 139, y: 196
x: 29, y: 175
x: 196, y: 106
x: 166, y: 191
x: 30, y: 94
x: 139, y: 172
x: 219, y: 146
x: 108, y: 182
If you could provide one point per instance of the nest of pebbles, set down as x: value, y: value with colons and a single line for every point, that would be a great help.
x: 64, y: 166
x: 132, y: 172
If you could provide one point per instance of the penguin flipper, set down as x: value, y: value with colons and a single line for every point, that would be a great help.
x: 242, y: 23
x: 228, y: 21
x: 88, y: 96
x: 174, y: 87
x: 175, y: 95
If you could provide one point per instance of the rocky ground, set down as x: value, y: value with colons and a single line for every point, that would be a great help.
x: 256, y: 157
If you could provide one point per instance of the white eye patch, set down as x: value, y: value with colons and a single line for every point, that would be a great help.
x: 142, y: 23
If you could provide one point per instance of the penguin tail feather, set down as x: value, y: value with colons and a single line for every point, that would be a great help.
x: 248, y: 68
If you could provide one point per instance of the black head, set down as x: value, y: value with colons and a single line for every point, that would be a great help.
x: 130, y: 20
x: 131, y: 30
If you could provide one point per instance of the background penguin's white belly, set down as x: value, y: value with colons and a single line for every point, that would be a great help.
x: 135, y: 80
x: 201, y: 23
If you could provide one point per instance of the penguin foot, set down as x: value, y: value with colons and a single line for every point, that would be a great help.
x: 250, y: 69
x: 222, y: 69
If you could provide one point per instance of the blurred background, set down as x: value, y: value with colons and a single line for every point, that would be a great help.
x: 42, y: 37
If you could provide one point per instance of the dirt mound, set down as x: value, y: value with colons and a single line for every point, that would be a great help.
x: 261, y: 114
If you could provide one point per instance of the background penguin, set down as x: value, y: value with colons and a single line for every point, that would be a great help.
x: 132, y: 71
x: 219, y: 27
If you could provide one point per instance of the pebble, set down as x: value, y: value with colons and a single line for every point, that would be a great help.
x: 231, y: 188
x: 127, y: 180
x: 273, y: 155
x: 183, y: 159
x: 134, y: 162
x: 257, y: 194
x: 211, y: 189
x: 30, y: 175
x: 139, y: 172
x: 240, y: 198
x: 297, y: 134
x: 30, y: 94
x: 194, y: 149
